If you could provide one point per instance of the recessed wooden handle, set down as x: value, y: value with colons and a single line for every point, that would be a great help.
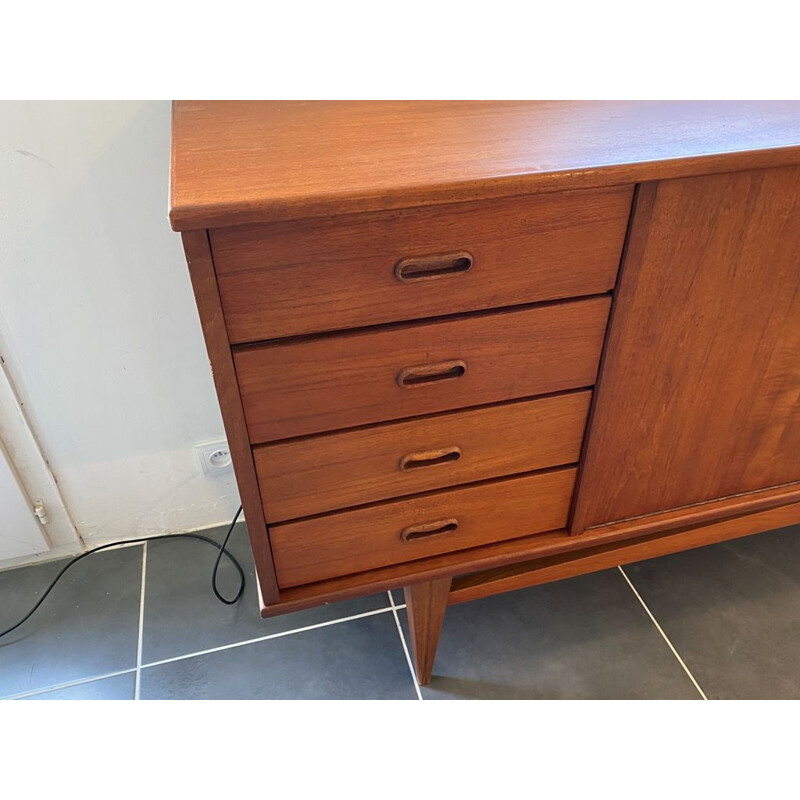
x: 426, y: 529
x: 425, y: 268
x: 429, y: 373
x: 431, y: 458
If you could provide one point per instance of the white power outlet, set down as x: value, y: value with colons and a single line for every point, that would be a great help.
x: 215, y: 458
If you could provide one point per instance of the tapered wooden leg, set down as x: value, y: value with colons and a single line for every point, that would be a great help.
x: 425, y: 605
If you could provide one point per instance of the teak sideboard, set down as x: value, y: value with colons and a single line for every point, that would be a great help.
x: 468, y: 347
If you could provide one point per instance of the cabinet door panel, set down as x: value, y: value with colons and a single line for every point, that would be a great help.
x: 699, y: 392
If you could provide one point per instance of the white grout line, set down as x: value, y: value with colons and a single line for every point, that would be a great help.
x: 138, y: 683
x: 68, y: 684
x: 265, y: 638
x: 120, y: 545
x: 140, y: 666
x: 405, y: 646
x: 664, y: 635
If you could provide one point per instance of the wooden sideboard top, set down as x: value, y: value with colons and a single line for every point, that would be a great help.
x: 235, y: 162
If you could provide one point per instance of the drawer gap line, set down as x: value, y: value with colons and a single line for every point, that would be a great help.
x: 428, y: 493
x: 419, y: 417
x: 412, y: 323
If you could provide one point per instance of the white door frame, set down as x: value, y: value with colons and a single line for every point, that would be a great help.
x: 30, y: 464
x: 23, y: 533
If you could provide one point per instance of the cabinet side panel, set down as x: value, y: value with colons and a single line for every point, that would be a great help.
x: 699, y: 394
x: 204, y: 283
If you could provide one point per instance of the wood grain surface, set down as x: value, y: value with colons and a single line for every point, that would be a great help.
x: 608, y: 556
x: 303, y: 277
x: 201, y: 271
x: 425, y: 606
x: 699, y: 396
x: 324, y: 473
x: 455, y: 519
x: 330, y: 216
x: 539, y: 548
x: 236, y: 162
x: 342, y: 381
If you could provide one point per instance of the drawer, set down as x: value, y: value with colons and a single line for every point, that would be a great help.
x: 324, y: 473
x: 403, y: 530
x: 347, y: 380
x: 292, y: 278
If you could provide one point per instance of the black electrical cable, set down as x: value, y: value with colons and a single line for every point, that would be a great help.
x: 198, y: 536
x: 222, y: 551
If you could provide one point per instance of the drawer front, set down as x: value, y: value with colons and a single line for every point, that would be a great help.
x: 404, y: 530
x: 303, y: 277
x: 355, y: 379
x: 324, y: 473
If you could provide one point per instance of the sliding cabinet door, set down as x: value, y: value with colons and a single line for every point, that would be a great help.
x: 699, y: 392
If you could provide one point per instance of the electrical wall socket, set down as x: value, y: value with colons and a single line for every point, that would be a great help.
x: 215, y: 458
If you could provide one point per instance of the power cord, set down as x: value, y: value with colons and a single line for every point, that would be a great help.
x: 198, y: 536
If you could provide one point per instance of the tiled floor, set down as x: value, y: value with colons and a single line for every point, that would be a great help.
x: 141, y: 622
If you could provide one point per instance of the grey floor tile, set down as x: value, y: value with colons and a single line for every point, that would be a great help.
x: 398, y: 597
x: 733, y: 613
x: 582, y: 638
x: 88, y: 625
x: 182, y: 615
x: 118, y: 687
x: 359, y: 659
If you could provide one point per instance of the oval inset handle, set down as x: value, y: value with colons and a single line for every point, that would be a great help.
x: 429, y: 373
x: 430, y: 458
x: 425, y: 268
x: 425, y: 529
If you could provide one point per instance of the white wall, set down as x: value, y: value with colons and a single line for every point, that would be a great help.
x: 98, y: 318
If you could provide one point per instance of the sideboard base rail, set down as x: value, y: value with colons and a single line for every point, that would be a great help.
x: 612, y: 554
x: 426, y: 602
x: 541, y: 546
